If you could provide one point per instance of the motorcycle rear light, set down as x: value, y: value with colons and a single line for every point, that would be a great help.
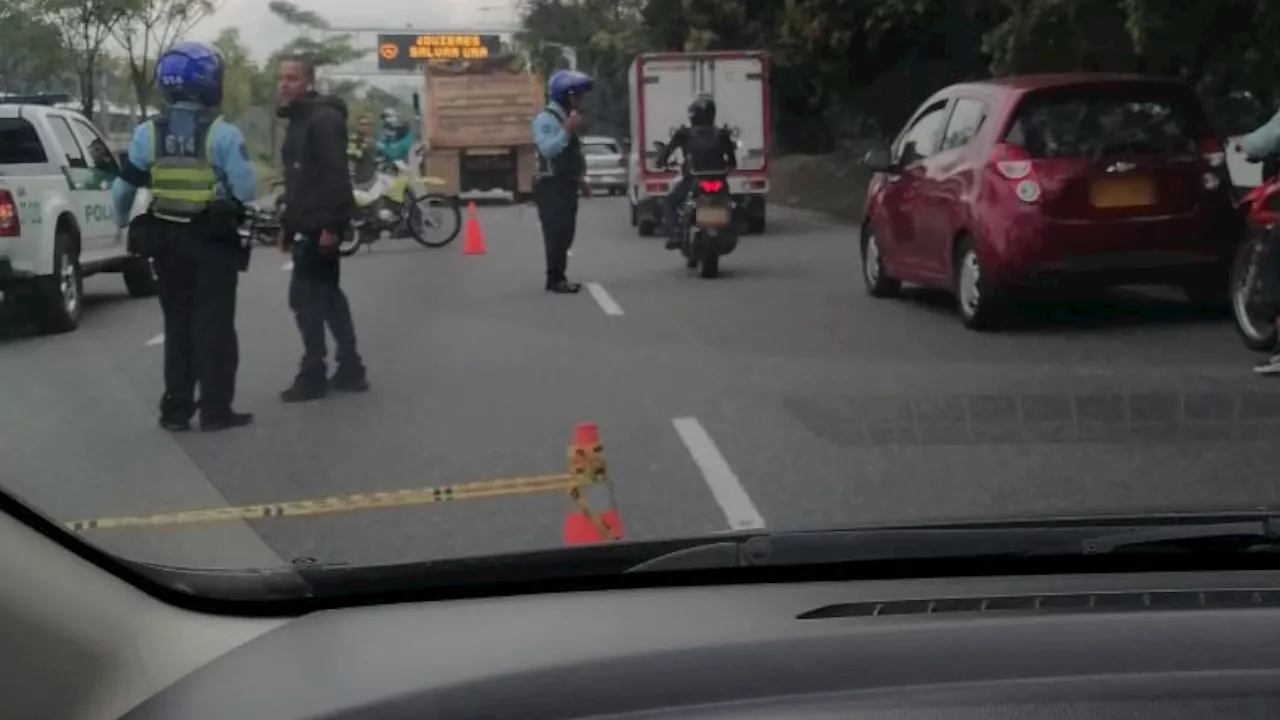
x: 9, y: 224
x: 711, y: 186
x: 1011, y: 161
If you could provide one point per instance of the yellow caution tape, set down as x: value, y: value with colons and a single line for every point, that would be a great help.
x: 348, y: 503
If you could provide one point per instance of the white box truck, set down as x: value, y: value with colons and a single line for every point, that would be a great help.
x: 662, y: 86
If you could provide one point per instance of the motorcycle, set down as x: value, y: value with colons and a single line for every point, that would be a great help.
x: 707, y: 230
x: 393, y: 205
x: 1255, y: 319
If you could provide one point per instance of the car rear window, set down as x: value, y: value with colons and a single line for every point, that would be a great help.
x: 19, y: 144
x: 600, y: 149
x: 1093, y: 123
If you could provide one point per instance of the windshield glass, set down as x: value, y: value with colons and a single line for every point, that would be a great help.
x: 361, y: 302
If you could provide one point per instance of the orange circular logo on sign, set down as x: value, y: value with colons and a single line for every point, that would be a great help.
x: 388, y: 51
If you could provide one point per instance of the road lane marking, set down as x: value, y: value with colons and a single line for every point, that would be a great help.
x: 725, y: 486
x: 342, y: 504
x: 604, y: 299
x: 157, y: 340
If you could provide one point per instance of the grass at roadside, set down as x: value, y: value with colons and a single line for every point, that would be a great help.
x: 835, y: 184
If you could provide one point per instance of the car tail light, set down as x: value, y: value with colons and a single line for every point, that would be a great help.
x: 1011, y: 161
x: 9, y: 224
x: 1015, y: 165
x: 1213, y: 152
x: 711, y: 186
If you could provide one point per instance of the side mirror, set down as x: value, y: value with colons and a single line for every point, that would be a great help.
x: 878, y: 160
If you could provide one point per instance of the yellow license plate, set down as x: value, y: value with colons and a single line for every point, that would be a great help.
x: 1123, y: 193
x: 712, y: 217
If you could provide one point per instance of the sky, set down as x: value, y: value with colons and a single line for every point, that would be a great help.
x: 263, y: 33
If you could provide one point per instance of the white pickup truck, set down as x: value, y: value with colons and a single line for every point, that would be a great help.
x: 56, y: 224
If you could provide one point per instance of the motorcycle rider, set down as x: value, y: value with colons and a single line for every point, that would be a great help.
x: 705, y: 148
x: 197, y: 166
x: 396, y: 142
x: 360, y: 152
x: 1263, y: 145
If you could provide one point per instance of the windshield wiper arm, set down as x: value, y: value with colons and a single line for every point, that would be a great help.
x: 1019, y: 540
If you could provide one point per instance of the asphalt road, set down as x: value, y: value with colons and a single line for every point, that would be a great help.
x: 779, y: 395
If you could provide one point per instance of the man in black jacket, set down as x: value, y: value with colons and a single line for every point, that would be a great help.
x: 318, y: 206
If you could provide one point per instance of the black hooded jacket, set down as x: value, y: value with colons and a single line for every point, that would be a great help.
x: 317, y: 183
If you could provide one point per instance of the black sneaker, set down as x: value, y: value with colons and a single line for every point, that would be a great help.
x: 228, y: 421
x: 175, y: 425
x: 352, y: 383
x: 301, y: 391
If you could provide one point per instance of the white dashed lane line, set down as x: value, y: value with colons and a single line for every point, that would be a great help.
x: 737, y: 506
x: 157, y: 340
x: 604, y: 299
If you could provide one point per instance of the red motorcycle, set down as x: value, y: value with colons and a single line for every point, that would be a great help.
x: 1256, y: 269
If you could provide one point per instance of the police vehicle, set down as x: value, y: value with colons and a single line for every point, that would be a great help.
x: 56, y: 225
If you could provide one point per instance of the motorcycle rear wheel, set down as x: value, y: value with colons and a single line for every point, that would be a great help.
x: 1258, y: 334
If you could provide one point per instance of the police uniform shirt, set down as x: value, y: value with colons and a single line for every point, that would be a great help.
x: 227, y: 152
x: 553, y: 142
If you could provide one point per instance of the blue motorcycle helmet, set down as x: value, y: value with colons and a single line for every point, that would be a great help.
x: 565, y: 83
x: 191, y: 72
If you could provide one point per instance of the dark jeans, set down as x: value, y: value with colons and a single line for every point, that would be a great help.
x: 557, y: 201
x: 197, y: 288
x: 679, y: 193
x: 317, y: 301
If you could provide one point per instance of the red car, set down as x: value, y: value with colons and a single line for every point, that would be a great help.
x: 1001, y: 185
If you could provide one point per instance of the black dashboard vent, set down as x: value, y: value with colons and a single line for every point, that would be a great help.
x: 1091, y: 602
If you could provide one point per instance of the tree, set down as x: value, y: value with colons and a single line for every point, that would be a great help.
x: 83, y: 27
x: 150, y: 28
x: 238, y: 81
x: 31, y: 59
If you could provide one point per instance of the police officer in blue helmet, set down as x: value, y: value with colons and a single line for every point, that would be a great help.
x: 197, y: 167
x: 558, y: 180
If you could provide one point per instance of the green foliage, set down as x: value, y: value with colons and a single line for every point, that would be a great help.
x: 841, y: 66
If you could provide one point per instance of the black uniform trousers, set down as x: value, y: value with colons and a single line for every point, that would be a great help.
x: 198, y: 277
x: 557, y: 201
x: 317, y: 302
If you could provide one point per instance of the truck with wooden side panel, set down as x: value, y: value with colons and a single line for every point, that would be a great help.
x: 477, y: 125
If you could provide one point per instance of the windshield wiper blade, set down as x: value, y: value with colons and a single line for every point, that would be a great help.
x: 1019, y: 540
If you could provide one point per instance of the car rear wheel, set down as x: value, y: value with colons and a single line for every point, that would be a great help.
x: 977, y: 306
x: 878, y: 283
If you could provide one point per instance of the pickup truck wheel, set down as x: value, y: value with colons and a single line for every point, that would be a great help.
x: 58, y: 299
x: 139, y: 276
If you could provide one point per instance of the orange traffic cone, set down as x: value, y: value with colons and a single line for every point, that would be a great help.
x: 593, y: 514
x: 473, y: 241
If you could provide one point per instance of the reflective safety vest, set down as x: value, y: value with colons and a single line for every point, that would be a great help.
x: 569, y: 163
x: 183, y: 179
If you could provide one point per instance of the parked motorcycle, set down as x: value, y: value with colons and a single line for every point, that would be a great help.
x: 707, y: 228
x: 1254, y: 271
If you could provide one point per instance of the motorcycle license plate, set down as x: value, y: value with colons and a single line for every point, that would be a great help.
x: 1122, y: 193
x: 711, y: 217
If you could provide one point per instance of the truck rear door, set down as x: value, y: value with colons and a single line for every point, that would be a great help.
x: 738, y: 86
x: 668, y: 86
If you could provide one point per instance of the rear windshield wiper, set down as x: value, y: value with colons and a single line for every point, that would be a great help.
x: 1015, y: 540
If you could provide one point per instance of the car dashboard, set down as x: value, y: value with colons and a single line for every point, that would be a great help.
x: 1166, y: 645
